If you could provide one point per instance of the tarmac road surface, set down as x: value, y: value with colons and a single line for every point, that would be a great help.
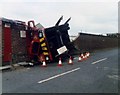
x: 97, y: 74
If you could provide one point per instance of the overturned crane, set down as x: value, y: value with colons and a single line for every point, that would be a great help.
x: 47, y: 43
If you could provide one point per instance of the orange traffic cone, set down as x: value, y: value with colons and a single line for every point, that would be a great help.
x: 60, y: 62
x: 44, y: 64
x: 70, y: 61
x: 82, y: 56
x: 79, y: 59
x: 85, y: 57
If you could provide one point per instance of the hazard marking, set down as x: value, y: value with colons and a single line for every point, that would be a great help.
x: 42, y: 39
x: 53, y: 77
x: 43, y: 44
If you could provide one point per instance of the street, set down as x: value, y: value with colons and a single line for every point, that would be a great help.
x: 97, y: 74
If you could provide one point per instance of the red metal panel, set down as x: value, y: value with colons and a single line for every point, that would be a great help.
x: 7, y: 44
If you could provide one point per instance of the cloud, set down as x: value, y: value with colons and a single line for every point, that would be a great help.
x: 92, y: 17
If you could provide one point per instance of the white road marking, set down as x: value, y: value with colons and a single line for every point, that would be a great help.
x: 114, y: 77
x: 99, y: 61
x: 53, y: 77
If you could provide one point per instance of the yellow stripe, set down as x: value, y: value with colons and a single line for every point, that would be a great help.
x: 43, y: 44
x: 42, y: 39
x: 45, y: 53
x: 44, y: 48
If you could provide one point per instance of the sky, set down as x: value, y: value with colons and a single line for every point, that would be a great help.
x: 87, y: 16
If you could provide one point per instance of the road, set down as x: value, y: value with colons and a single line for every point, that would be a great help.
x: 97, y: 74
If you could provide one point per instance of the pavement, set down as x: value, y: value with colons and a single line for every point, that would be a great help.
x: 6, y: 67
x: 97, y: 74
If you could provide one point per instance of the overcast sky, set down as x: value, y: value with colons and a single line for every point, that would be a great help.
x: 88, y: 16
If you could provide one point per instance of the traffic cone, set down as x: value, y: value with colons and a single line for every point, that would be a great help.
x: 85, y: 57
x: 79, y: 59
x: 60, y: 62
x: 70, y: 61
x: 44, y: 64
x: 82, y: 56
x: 88, y: 54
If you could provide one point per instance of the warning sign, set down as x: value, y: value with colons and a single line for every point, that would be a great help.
x: 62, y: 50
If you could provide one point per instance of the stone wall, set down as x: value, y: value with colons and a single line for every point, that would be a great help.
x: 89, y: 42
